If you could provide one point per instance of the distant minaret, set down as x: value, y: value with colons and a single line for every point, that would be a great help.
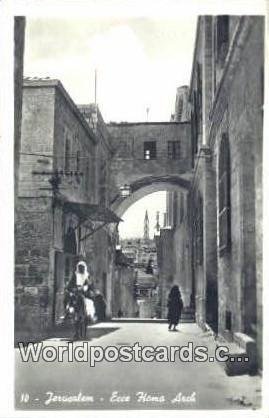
x: 146, y: 226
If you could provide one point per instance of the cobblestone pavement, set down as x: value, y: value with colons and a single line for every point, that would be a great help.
x: 133, y: 385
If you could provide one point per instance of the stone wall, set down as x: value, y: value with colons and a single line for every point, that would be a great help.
x: 123, y: 292
x: 49, y: 118
x: 232, y: 105
x: 165, y: 258
x: 19, y: 34
x: 129, y: 164
x: 33, y: 287
x: 243, y: 121
x: 177, y: 219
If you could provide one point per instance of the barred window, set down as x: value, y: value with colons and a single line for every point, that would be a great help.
x: 174, y: 150
x: 150, y: 151
x: 224, y: 212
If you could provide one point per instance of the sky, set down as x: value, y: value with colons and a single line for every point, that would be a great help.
x: 140, y: 62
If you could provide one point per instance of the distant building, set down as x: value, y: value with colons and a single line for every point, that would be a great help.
x: 140, y: 252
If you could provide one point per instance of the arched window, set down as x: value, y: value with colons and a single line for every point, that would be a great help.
x: 224, y: 184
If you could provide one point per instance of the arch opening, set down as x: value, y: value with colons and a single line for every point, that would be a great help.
x: 138, y: 251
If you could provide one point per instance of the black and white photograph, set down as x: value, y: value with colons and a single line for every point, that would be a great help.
x: 138, y: 200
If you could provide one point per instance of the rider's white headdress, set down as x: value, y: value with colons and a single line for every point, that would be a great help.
x: 81, y: 277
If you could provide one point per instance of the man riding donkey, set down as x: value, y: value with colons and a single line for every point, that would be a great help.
x: 79, y: 297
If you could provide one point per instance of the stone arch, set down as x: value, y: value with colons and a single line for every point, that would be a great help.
x: 146, y: 186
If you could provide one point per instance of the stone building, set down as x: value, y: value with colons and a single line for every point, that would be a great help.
x: 173, y: 250
x: 151, y: 157
x: 103, y: 256
x: 19, y: 35
x: 211, y: 245
x: 226, y: 96
x: 182, y: 105
x: 124, y: 299
x: 60, y: 208
x: 140, y: 252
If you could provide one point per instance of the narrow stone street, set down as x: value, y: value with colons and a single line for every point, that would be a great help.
x: 201, y: 385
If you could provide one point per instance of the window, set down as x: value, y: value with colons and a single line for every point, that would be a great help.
x: 222, y: 37
x: 199, y: 97
x: 262, y: 84
x: 198, y: 231
x: 78, y: 161
x: 224, y: 215
x: 67, y: 155
x: 87, y: 175
x: 182, y: 201
x: 174, y: 150
x: 194, y: 125
x: 150, y: 150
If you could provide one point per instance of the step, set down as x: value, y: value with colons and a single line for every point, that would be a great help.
x: 242, y: 357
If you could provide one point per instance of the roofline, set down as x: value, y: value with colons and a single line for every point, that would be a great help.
x: 195, y: 51
x: 99, y: 114
x: 54, y: 83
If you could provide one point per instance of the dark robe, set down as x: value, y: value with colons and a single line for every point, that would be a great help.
x: 100, y: 307
x: 175, y: 306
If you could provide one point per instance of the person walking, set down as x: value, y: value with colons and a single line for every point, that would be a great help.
x: 175, y: 306
x: 100, y: 306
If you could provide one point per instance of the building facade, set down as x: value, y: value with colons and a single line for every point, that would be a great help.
x: 60, y: 206
x: 226, y: 96
x: 19, y: 35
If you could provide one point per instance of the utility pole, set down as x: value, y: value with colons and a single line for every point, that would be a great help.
x: 147, y: 110
x: 95, y: 87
